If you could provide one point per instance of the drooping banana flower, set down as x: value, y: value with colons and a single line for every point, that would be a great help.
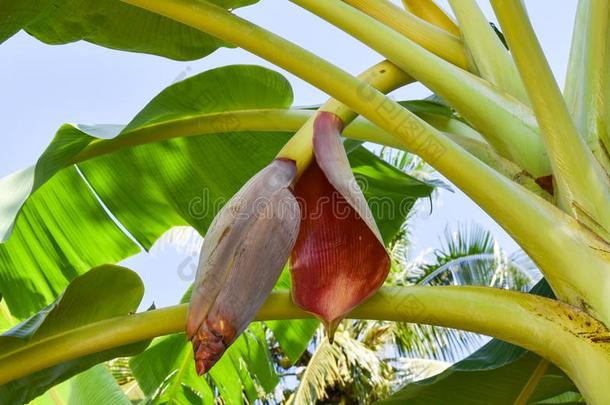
x: 338, y: 258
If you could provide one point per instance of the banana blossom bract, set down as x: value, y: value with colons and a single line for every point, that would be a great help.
x: 339, y: 259
x: 242, y: 257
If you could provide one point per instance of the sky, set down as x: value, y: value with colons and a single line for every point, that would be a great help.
x: 42, y: 87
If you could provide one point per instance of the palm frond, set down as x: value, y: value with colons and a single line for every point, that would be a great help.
x: 120, y: 370
x: 431, y: 342
x: 515, y: 272
x: 467, y: 256
x: 404, y: 161
x: 466, y: 241
x: 409, y: 370
x: 345, y: 368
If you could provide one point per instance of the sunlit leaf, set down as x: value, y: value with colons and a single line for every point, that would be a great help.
x: 62, y: 232
x: 92, y: 387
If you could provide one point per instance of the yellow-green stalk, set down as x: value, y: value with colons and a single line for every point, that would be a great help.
x: 435, y: 40
x: 571, y: 339
x: 491, y: 58
x: 429, y: 11
x: 587, y: 88
x: 582, y: 185
x: 506, y: 123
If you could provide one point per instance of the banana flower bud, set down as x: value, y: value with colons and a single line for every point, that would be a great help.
x: 242, y: 256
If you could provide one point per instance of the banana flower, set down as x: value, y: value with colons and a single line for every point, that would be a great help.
x: 320, y: 220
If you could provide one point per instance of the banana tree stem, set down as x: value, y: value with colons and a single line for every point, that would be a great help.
x: 587, y: 88
x: 429, y: 11
x: 491, y: 58
x: 566, y: 336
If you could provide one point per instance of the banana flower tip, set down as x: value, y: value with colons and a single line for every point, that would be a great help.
x: 330, y: 329
x: 208, y: 347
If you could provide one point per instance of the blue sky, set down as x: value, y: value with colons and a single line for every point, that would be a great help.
x: 44, y: 86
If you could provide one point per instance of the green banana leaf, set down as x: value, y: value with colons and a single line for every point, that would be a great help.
x: 166, y: 369
x: 61, y: 232
x: 108, y: 23
x: 489, y: 379
x: 246, y: 367
x: 92, y: 387
x: 497, y: 373
x: 96, y: 386
x: 166, y: 373
x: 72, y: 231
x: 91, y: 297
x: 151, y: 187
